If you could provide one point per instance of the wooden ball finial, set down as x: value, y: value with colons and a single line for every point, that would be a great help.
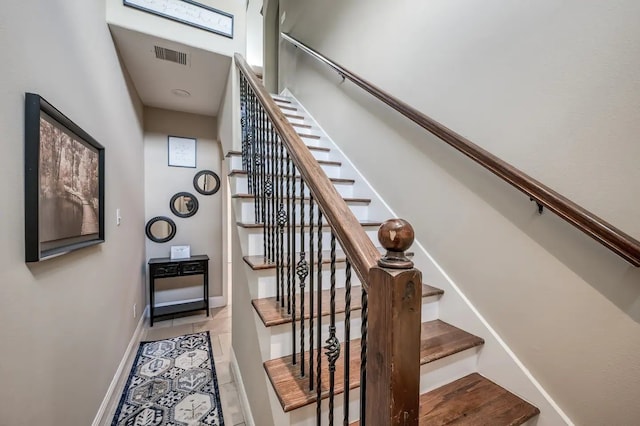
x: 396, y: 236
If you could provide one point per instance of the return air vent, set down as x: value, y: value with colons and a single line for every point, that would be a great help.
x: 170, y: 55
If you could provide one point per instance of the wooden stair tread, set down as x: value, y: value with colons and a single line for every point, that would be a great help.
x: 325, y: 162
x: 305, y: 126
x: 288, y: 108
x: 281, y: 100
x: 258, y: 262
x: 348, y: 200
x: 473, y: 400
x: 260, y: 225
x: 272, y: 314
x: 297, y: 117
x: 234, y: 153
x: 293, y: 390
x: 334, y: 180
x: 304, y: 135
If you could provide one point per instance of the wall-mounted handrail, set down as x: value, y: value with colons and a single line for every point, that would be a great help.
x: 608, y: 235
x: 348, y: 230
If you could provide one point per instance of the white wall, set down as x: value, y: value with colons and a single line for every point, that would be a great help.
x: 147, y: 23
x: 66, y: 322
x: 551, y: 87
x: 203, y: 231
x: 254, y: 33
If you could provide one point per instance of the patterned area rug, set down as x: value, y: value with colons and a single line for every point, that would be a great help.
x: 172, y: 383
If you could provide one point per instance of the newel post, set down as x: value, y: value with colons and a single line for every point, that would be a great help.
x: 393, y: 353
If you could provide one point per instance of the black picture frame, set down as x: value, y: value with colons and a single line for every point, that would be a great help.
x: 64, y: 183
x: 132, y: 4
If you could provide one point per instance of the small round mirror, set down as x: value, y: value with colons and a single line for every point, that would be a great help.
x: 206, y: 182
x: 160, y: 229
x: 184, y: 204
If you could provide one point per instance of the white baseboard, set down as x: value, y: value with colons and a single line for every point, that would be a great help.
x: 214, y: 302
x: 242, y: 393
x: 217, y: 301
x: 135, y: 339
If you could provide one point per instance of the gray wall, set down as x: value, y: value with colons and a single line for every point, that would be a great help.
x: 551, y: 87
x: 203, y: 231
x: 67, y: 321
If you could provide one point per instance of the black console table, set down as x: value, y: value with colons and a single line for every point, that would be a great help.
x: 165, y: 267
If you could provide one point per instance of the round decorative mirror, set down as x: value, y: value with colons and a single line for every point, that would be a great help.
x: 184, y: 204
x: 206, y: 182
x: 160, y: 229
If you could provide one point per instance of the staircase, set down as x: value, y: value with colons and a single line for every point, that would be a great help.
x: 452, y: 391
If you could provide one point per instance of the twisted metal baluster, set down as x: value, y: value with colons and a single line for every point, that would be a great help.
x: 319, y: 352
x: 254, y: 135
x: 311, y: 289
x: 249, y: 139
x: 333, y: 345
x: 243, y: 119
x: 259, y: 167
x: 347, y: 340
x: 363, y: 355
x: 302, y: 270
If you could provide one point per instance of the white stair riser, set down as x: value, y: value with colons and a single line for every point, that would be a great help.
x: 264, y: 282
x: 236, y: 160
x: 282, y: 344
x: 280, y: 335
x: 256, y: 238
x: 246, y: 209
x: 240, y: 185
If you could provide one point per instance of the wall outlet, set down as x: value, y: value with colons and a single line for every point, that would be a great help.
x: 134, y: 310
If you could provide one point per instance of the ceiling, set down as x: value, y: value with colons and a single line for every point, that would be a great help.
x: 204, y: 76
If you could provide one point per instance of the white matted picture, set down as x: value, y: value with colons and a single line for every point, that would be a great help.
x: 182, y: 152
x: 180, y: 252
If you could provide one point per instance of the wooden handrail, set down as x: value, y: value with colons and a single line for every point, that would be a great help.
x: 608, y: 235
x: 358, y: 247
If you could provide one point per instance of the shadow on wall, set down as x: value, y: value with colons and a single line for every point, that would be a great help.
x: 605, y: 271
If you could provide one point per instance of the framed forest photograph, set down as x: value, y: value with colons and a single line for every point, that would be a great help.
x: 64, y: 183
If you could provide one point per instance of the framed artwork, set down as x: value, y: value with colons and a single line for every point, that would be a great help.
x: 64, y: 183
x: 182, y: 152
x: 188, y: 12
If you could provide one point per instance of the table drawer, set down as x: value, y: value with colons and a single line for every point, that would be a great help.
x: 166, y: 271
x: 188, y: 268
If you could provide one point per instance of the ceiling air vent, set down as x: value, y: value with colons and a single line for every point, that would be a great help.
x: 170, y: 55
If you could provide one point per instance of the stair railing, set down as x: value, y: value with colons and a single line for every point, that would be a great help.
x: 597, y: 228
x: 295, y: 202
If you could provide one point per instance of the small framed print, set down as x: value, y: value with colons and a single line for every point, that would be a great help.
x: 182, y: 152
x: 180, y: 252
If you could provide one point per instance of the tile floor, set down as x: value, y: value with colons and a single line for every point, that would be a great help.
x: 219, y: 326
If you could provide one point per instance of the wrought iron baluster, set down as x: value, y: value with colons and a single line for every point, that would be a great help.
x: 347, y: 340
x: 243, y: 119
x: 282, y: 221
x: 333, y: 345
x: 252, y: 146
x: 302, y: 269
x: 319, y: 352
x: 276, y: 211
x: 311, y: 289
x: 363, y: 355
x: 291, y: 253
x: 264, y: 192
x: 290, y: 236
x: 259, y: 164
x: 269, y: 191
